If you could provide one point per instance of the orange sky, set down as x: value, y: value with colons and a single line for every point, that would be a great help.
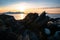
x: 38, y: 10
x: 48, y: 10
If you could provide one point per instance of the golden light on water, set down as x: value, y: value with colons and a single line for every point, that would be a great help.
x: 22, y: 16
x: 18, y: 16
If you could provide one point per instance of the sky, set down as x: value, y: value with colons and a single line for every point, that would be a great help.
x: 46, y: 3
x: 18, y: 4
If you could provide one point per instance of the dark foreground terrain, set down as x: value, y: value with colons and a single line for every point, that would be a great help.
x: 32, y: 27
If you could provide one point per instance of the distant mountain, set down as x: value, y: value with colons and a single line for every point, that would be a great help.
x: 14, y: 12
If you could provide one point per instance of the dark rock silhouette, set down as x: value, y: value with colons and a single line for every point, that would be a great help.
x: 32, y: 25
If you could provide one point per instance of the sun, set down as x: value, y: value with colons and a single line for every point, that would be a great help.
x: 22, y: 9
x: 21, y: 6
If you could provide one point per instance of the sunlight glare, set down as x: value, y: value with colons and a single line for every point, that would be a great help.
x: 22, y: 9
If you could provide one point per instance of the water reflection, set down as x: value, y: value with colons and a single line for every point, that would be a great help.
x: 18, y: 16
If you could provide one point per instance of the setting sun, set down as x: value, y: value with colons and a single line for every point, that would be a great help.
x: 22, y: 9
x: 21, y: 6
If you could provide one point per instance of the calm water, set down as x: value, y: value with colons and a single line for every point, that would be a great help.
x: 54, y: 15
